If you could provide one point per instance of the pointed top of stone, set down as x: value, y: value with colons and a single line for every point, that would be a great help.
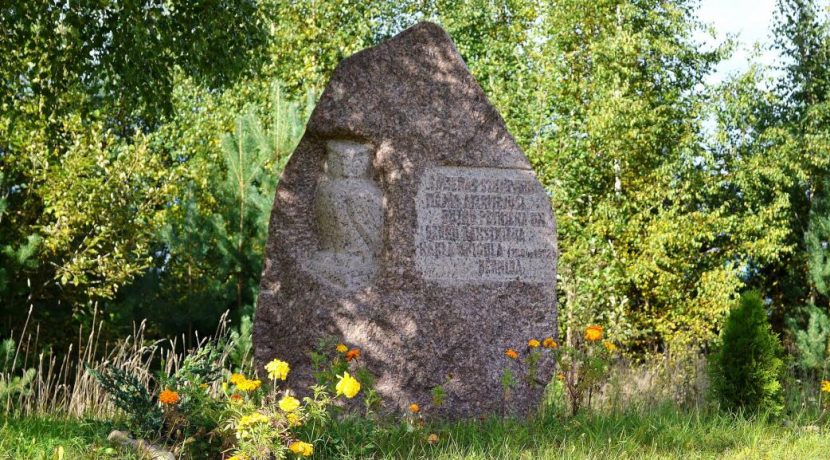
x: 415, y: 90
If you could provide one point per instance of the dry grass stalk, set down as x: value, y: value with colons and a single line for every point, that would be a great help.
x: 63, y: 387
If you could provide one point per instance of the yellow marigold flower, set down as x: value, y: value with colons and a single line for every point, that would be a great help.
x: 342, y: 348
x: 294, y: 419
x: 348, y: 386
x: 249, y: 385
x: 354, y: 353
x: 533, y: 343
x: 549, y: 343
x: 253, y: 418
x: 203, y: 386
x: 609, y: 345
x: 236, y: 378
x: 825, y: 386
x: 414, y: 408
x: 593, y: 333
x: 432, y: 438
x: 277, y: 370
x: 301, y: 448
x: 511, y: 353
x: 248, y: 421
x: 239, y: 456
x: 560, y: 376
x: 289, y: 403
x: 168, y: 397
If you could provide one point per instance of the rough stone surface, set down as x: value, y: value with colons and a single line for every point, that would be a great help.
x: 408, y: 223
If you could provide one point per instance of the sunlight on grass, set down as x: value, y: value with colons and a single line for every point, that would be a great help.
x: 44, y: 438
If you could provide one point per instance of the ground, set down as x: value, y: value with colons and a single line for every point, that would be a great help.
x: 662, y: 433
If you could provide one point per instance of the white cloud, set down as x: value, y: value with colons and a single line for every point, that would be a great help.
x: 750, y: 20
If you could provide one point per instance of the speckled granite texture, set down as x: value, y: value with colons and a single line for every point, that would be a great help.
x: 348, y: 258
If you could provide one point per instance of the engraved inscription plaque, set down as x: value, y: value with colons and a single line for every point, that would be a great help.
x: 483, y: 225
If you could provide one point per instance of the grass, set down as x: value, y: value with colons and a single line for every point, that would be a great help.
x: 38, y: 438
x: 662, y: 433
x: 665, y: 432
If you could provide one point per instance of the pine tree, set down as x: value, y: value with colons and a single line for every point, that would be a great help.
x: 817, y: 242
x: 210, y: 250
x: 14, y: 258
x: 802, y: 34
x: 747, y: 369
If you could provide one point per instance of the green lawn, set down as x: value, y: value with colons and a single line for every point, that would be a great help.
x: 45, y: 438
x: 659, y: 433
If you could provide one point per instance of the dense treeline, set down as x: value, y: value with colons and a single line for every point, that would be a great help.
x: 141, y: 142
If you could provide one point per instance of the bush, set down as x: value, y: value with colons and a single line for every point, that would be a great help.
x: 747, y: 369
x: 812, y: 342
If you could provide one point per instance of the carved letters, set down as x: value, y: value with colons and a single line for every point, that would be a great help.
x: 483, y: 225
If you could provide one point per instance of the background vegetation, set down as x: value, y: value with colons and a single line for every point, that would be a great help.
x: 141, y: 142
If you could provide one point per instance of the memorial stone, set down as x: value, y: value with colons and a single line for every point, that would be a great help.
x: 409, y: 224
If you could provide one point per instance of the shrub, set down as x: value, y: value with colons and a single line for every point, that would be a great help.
x: 812, y: 342
x: 747, y: 368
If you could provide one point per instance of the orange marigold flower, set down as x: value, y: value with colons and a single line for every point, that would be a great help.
x: 533, y: 343
x: 511, y: 353
x: 593, y: 333
x: 168, y: 397
x: 432, y: 438
x: 560, y: 376
x: 354, y: 353
x: 414, y: 408
x: 549, y: 343
x: 236, y: 398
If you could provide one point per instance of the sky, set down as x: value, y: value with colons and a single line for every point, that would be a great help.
x: 750, y: 20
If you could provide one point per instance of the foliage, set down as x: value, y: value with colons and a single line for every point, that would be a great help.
x: 16, y: 384
x: 84, y: 86
x: 180, y: 411
x: 61, y: 58
x: 642, y: 249
x: 327, y: 32
x: 796, y: 138
x: 241, y: 355
x: 14, y: 380
x: 812, y: 343
x: 141, y: 145
x: 145, y: 418
x: 817, y: 241
x: 747, y: 369
x: 210, y: 248
x: 14, y: 259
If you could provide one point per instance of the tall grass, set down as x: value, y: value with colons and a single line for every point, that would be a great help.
x: 61, y: 385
